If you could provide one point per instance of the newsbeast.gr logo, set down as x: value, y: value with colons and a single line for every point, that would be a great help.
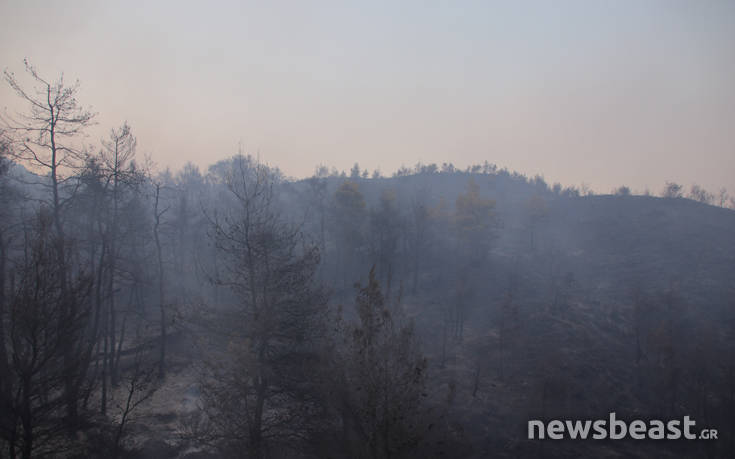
x: 617, y: 429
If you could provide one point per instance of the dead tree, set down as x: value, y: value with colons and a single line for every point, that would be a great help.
x: 261, y: 394
x: 44, y: 139
x: 40, y: 331
x: 157, y: 214
x: 139, y: 388
x: 116, y: 160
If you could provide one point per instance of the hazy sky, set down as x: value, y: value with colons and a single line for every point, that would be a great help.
x: 606, y: 92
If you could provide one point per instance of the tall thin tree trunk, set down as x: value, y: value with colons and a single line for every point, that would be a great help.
x: 415, y: 283
x: 113, y: 261
x: 12, y: 442
x: 71, y: 388
x: 3, y: 353
x: 116, y: 355
x: 113, y: 335
x: 161, y: 298
x: 105, y: 351
x: 26, y: 419
x: 256, y: 430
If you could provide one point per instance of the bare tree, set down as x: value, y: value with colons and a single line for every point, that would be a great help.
x: 700, y: 194
x: 43, y: 138
x: 139, y: 388
x: 261, y: 395
x: 157, y: 214
x: 7, y: 423
x: 39, y: 333
x: 109, y: 188
x: 116, y: 159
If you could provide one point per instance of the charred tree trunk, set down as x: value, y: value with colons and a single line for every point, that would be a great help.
x: 161, y: 298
